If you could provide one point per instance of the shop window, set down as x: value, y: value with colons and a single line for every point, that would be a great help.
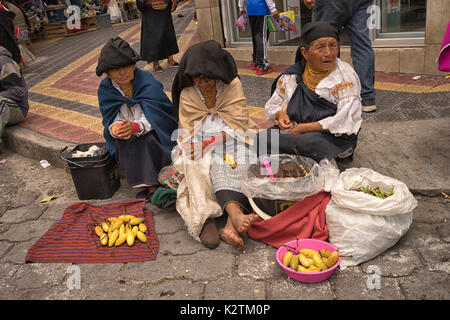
x: 401, y: 18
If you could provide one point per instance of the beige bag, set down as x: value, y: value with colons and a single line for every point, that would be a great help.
x: 196, y: 200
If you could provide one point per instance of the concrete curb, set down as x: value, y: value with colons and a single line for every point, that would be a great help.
x: 388, y: 148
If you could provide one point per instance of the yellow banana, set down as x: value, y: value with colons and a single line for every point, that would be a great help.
x: 121, y: 229
x: 319, y: 263
x: 310, y: 253
x: 113, y: 238
x: 141, y: 236
x: 135, y: 230
x: 116, y: 225
x: 130, y: 237
x: 287, y: 258
x: 332, y: 259
x: 105, y: 226
x: 303, y: 260
x: 99, y: 231
x: 121, y: 239
x: 136, y: 221
x: 142, y: 227
x: 104, y: 239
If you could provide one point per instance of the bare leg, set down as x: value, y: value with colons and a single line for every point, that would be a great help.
x: 240, y: 220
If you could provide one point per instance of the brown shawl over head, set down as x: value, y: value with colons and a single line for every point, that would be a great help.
x: 231, y: 106
x: 206, y: 58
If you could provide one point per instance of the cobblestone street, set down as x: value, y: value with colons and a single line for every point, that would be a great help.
x: 64, y: 111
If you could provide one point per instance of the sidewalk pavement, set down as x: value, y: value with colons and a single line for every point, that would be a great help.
x: 406, y: 138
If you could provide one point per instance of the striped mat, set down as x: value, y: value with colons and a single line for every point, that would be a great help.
x: 73, y: 239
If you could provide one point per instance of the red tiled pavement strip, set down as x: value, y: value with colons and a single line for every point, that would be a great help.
x: 60, y: 129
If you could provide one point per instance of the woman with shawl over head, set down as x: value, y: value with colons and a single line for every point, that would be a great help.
x: 137, y: 116
x: 213, y: 115
x: 316, y: 102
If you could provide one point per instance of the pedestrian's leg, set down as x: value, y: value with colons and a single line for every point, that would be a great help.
x: 156, y: 66
x: 171, y: 62
x: 331, y: 10
x: 363, y: 56
x: 252, y: 21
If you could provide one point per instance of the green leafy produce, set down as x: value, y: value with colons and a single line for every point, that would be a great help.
x: 376, y: 192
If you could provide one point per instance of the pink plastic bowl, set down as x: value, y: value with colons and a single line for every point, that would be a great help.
x: 307, y: 244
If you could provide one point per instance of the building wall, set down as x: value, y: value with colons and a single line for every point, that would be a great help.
x: 414, y: 60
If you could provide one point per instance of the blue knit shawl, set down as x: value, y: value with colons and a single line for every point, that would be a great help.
x: 149, y: 93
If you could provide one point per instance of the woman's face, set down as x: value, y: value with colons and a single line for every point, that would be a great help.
x: 322, y: 53
x: 204, y: 83
x: 122, y: 76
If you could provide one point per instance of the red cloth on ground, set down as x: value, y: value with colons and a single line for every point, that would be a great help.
x: 305, y: 219
x: 73, y: 239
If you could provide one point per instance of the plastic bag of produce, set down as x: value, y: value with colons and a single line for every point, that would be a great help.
x: 368, y: 213
x: 282, y: 177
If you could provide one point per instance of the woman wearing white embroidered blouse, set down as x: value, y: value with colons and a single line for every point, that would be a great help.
x: 316, y: 102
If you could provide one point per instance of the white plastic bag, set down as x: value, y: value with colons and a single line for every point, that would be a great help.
x: 256, y: 183
x: 363, y: 226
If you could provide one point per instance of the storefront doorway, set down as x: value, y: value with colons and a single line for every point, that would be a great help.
x: 398, y: 23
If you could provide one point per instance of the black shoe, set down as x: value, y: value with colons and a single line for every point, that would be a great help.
x: 144, y: 194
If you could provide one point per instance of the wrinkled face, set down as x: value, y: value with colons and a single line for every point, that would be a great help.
x: 204, y: 83
x: 122, y: 76
x: 322, y: 53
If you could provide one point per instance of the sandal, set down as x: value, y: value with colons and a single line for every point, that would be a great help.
x: 175, y: 65
x: 159, y: 69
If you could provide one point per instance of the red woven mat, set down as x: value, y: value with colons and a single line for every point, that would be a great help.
x: 73, y: 238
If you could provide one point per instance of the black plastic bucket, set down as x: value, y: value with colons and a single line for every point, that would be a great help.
x: 94, y: 177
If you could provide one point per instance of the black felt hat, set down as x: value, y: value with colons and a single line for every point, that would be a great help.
x: 116, y: 53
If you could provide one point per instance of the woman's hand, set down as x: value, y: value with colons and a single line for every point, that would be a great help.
x: 307, y: 127
x: 174, y: 5
x: 283, y: 120
x: 298, y: 129
x: 123, y: 130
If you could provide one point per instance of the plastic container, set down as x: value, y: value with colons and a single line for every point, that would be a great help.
x: 93, y: 177
x: 308, y: 277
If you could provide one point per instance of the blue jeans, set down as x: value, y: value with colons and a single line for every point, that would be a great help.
x: 353, y: 15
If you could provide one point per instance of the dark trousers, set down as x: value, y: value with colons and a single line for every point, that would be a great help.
x: 353, y: 15
x: 260, y: 37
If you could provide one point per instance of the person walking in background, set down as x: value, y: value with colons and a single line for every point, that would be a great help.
x: 158, y: 37
x: 353, y: 16
x: 256, y: 10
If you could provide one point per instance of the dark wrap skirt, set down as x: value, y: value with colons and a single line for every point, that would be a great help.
x: 305, y: 106
x: 158, y: 37
x: 142, y: 158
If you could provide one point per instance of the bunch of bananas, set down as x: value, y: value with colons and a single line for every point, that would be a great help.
x: 115, y: 231
x: 309, y: 260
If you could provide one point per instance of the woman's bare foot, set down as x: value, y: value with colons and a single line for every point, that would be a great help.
x: 241, y: 221
x: 231, y: 236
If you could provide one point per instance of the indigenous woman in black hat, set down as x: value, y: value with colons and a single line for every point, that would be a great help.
x: 316, y: 102
x: 137, y: 116
x: 210, y: 104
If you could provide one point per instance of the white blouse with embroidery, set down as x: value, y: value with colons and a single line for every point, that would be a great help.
x: 342, y: 87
